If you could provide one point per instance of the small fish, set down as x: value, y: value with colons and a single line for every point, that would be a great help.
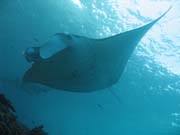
x: 35, y: 39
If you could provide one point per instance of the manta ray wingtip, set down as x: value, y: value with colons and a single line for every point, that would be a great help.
x: 163, y: 14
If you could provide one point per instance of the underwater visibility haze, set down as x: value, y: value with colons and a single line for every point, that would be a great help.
x: 109, y: 49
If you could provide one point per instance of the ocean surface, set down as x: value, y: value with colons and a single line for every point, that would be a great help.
x: 145, y: 101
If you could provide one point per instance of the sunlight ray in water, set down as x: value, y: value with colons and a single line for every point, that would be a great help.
x: 78, y: 3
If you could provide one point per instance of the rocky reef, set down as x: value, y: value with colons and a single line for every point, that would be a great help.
x: 10, y: 125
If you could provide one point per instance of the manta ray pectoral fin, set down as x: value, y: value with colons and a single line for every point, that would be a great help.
x: 129, y: 39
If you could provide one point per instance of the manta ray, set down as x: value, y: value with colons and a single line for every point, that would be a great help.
x: 80, y: 64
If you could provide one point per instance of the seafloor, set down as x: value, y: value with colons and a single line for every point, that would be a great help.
x: 9, y: 123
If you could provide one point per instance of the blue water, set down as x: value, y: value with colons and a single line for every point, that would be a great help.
x: 145, y: 101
